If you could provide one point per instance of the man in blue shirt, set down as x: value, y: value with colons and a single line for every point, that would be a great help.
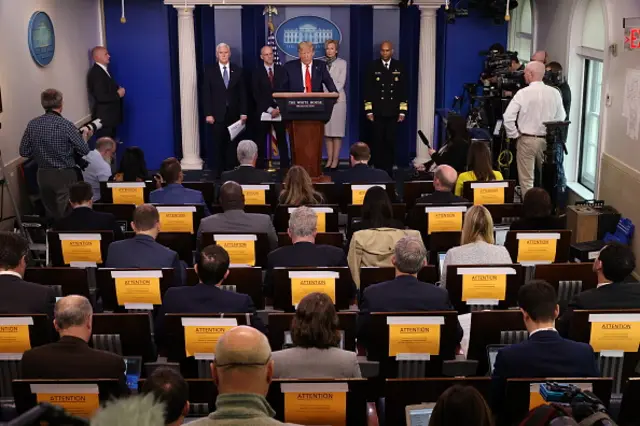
x: 52, y: 141
x: 99, y: 168
x: 174, y: 192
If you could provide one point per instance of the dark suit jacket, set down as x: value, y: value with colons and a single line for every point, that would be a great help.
x: 611, y: 296
x: 174, y: 193
x: 361, y: 173
x: 142, y: 251
x: 225, y: 104
x: 72, y: 358
x: 107, y: 104
x: 545, y: 354
x: 538, y: 224
x: 262, y: 89
x: 402, y: 294
x: 455, y: 156
x: 22, y: 297
x: 245, y: 175
x: 86, y: 219
x: 203, y: 299
x: 319, y: 76
x: 302, y: 254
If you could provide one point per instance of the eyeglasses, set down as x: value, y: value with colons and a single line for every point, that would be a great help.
x: 243, y: 364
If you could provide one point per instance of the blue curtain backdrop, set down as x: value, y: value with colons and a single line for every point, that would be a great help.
x: 361, y: 42
x: 140, y: 52
x: 409, y: 55
x: 205, y: 28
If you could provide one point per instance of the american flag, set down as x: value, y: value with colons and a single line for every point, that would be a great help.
x: 271, y: 42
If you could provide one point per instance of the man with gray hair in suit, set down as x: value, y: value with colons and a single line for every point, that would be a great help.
x: 246, y: 173
x: 234, y: 219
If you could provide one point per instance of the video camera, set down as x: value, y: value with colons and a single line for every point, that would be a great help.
x: 553, y: 78
x: 498, y: 78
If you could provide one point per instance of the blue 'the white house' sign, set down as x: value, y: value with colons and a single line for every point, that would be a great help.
x: 306, y: 28
x: 42, y: 40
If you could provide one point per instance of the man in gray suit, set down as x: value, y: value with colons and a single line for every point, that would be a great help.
x: 234, y: 218
x: 242, y: 372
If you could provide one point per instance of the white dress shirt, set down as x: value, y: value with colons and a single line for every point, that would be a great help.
x: 104, y: 67
x: 13, y: 273
x: 304, y: 74
x: 97, y: 171
x: 386, y: 64
x: 532, y: 106
x: 542, y: 329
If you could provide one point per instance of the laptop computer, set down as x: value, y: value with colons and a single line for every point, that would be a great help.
x: 418, y: 415
x: 492, y: 353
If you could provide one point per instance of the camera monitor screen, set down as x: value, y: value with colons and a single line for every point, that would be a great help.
x: 132, y: 372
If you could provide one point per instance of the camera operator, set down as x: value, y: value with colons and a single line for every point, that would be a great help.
x: 554, y: 78
x: 52, y: 141
x: 531, y: 107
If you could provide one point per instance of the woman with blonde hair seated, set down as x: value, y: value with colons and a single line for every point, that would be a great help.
x: 298, y: 189
x: 477, y: 245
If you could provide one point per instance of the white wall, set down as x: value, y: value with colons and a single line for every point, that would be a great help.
x: 77, y: 26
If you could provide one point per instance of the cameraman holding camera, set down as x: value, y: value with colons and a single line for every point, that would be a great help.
x: 52, y: 141
x: 531, y: 107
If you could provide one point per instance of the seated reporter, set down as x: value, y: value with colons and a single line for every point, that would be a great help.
x: 316, y: 336
x: 536, y: 210
x: 174, y: 192
x: 377, y: 212
x: 247, y: 173
x: 479, y: 167
x: 83, y: 217
x: 133, y: 167
x: 207, y: 297
x: 461, y: 405
x: 477, y: 245
x: 169, y: 388
x: 454, y: 152
x: 360, y: 171
x: 298, y: 189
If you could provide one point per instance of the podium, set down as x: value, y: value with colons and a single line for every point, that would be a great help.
x: 306, y: 114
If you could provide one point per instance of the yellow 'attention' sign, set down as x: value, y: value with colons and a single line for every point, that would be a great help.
x: 176, y: 222
x: 488, y: 195
x: 81, y: 405
x: 537, y: 250
x: 316, y: 408
x: 202, y: 339
x: 322, y: 221
x: 414, y: 339
x: 444, y: 221
x: 300, y: 287
x: 484, y: 286
x: 254, y: 196
x: 138, y: 290
x: 615, y: 336
x: 14, y: 339
x: 81, y: 251
x: 357, y: 196
x: 241, y: 252
x: 127, y: 195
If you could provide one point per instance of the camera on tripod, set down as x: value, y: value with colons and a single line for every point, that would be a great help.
x: 499, y: 79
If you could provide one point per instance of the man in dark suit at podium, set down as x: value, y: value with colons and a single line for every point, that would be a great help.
x: 224, y: 103
x: 106, y: 93
x: 306, y: 74
x: 269, y: 78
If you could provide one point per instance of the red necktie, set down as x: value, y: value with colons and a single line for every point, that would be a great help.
x: 307, y: 80
x: 271, y: 77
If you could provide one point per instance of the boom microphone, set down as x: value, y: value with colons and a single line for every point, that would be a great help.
x: 424, y: 139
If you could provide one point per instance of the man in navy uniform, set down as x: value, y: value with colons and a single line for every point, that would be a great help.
x: 385, y: 104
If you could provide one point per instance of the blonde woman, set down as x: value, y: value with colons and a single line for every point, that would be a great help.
x: 477, y: 245
x: 298, y: 189
x: 334, y: 129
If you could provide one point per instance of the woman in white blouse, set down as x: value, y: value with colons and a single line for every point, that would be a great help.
x: 334, y: 129
x: 477, y: 246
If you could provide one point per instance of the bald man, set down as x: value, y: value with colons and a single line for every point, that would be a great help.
x: 235, y: 219
x: 71, y: 357
x: 444, y: 182
x: 269, y: 77
x: 530, y: 107
x: 386, y: 105
x: 242, y: 372
x: 540, y: 56
x: 106, y: 93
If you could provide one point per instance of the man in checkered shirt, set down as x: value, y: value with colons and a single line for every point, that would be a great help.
x: 52, y: 141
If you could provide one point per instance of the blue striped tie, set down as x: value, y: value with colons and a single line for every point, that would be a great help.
x: 225, y: 77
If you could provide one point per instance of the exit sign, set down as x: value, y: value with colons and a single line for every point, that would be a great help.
x: 632, y: 34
